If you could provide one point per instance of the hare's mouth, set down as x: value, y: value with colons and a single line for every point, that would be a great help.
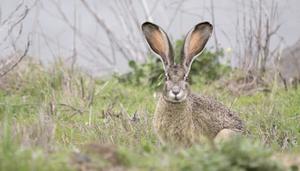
x: 176, y: 98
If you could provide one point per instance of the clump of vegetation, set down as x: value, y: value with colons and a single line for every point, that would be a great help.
x: 238, y: 154
x: 150, y: 73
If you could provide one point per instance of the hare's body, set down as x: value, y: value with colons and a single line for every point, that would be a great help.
x: 189, y: 121
x: 171, y: 123
x: 182, y: 117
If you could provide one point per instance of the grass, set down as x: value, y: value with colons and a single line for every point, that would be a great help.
x: 62, y: 119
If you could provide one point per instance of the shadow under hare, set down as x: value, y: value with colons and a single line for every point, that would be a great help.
x: 182, y: 117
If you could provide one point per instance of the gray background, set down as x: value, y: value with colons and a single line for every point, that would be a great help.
x: 52, y: 38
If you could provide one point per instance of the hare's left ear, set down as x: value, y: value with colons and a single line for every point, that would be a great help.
x: 159, y: 43
x: 194, y: 43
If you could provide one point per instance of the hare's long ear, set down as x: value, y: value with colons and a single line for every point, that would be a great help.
x: 159, y: 43
x: 194, y: 43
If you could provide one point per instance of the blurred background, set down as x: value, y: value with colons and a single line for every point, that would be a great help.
x: 102, y: 36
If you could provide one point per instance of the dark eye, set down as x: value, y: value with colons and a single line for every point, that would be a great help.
x: 167, y: 76
x: 186, y: 78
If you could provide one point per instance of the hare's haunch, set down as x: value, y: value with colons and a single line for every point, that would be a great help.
x: 182, y: 117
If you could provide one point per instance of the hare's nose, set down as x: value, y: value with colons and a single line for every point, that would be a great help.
x: 175, y: 90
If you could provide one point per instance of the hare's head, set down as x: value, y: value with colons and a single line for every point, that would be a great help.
x: 176, y: 87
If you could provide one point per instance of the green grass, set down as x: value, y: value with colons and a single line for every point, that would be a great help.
x: 59, y: 119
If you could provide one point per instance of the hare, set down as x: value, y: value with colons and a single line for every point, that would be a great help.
x: 182, y: 117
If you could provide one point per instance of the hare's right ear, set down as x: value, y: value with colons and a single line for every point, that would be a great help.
x: 194, y: 43
x: 159, y: 43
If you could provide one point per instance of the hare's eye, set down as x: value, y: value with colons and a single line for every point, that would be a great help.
x: 186, y: 78
x: 167, y: 76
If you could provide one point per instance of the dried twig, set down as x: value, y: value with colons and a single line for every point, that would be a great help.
x: 212, y: 12
x: 17, y: 62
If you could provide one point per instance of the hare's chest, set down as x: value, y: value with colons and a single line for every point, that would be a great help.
x: 174, y: 127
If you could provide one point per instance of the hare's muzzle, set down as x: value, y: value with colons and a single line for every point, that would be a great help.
x: 175, y: 93
x: 175, y: 90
